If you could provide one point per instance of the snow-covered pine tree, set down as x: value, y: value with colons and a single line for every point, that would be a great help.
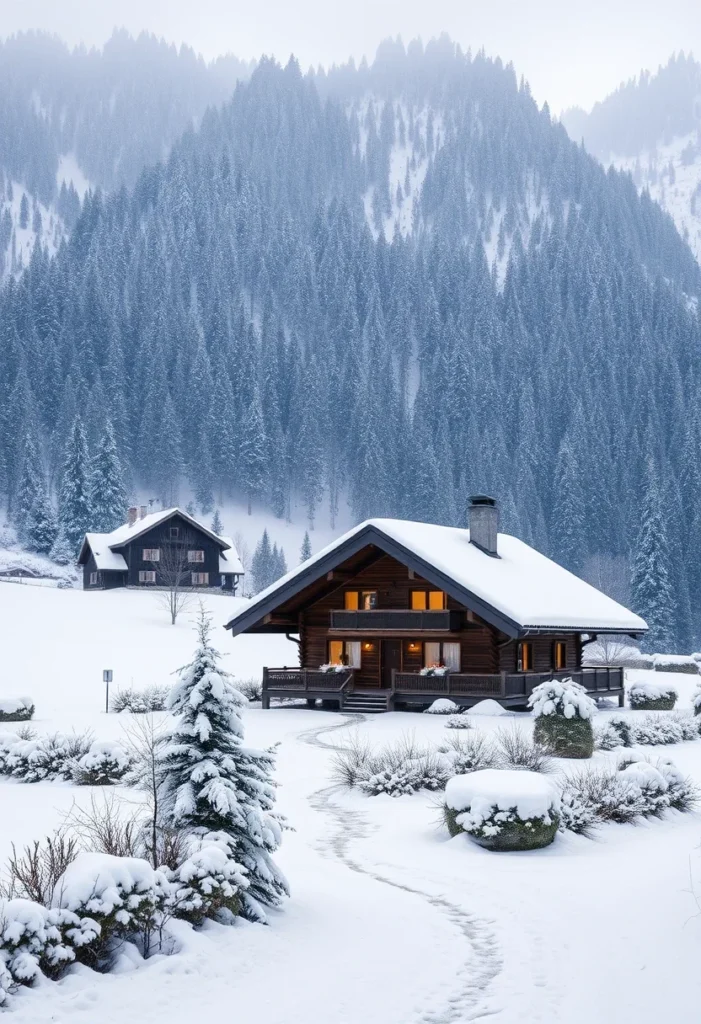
x: 74, y: 511
x: 217, y: 523
x: 34, y: 514
x: 62, y: 551
x: 278, y: 563
x: 650, y: 584
x: 305, y: 552
x: 262, y: 570
x: 108, y: 496
x: 190, y: 508
x: 211, y: 782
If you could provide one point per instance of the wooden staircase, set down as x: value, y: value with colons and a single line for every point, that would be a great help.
x: 366, y: 703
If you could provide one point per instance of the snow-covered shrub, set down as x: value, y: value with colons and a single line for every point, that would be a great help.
x: 517, y: 750
x: 104, y: 765
x: 398, y: 769
x: 658, y: 730
x: 675, y: 663
x: 32, y: 873
x: 44, y: 758
x: 442, y: 706
x: 646, y: 785
x: 353, y: 762
x: 563, y: 713
x: 124, y: 896
x: 16, y: 709
x: 464, y: 754
x: 617, y: 731
x: 36, y: 939
x: 252, y: 689
x: 458, y: 722
x: 650, y: 696
x: 503, y: 810
x: 577, y: 814
x: 682, y: 792
x: 209, y: 882
x: 696, y: 700
x: 140, y: 702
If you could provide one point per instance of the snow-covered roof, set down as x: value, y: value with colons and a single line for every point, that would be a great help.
x: 128, y: 532
x: 229, y: 561
x: 99, y: 544
x: 520, y: 590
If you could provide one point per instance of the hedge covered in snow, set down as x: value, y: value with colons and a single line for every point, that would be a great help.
x: 647, y: 695
x: 74, y: 758
x: 140, y: 702
x: 503, y: 810
x: 563, y: 713
x: 650, y: 730
x: 16, y: 709
x: 675, y: 663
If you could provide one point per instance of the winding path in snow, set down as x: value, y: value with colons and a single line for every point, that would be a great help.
x: 485, y: 962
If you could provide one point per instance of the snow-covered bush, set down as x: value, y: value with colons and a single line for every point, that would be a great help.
x: 682, y: 792
x: 644, y: 786
x: 35, y: 939
x: 577, y: 814
x: 442, y: 706
x: 617, y: 731
x: 209, y: 882
x: 209, y: 781
x: 563, y: 713
x: 517, y: 750
x: 426, y: 771
x: 124, y: 896
x: 696, y: 700
x: 464, y: 754
x: 503, y: 810
x: 104, y: 764
x: 16, y: 709
x: 675, y: 663
x: 458, y: 722
x: 650, y: 696
x: 397, y: 769
x: 43, y: 758
x: 140, y: 702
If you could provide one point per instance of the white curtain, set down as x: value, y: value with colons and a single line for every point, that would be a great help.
x: 353, y: 653
x: 451, y: 657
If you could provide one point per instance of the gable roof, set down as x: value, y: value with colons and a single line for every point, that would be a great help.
x: 229, y: 561
x: 520, y: 591
x: 105, y: 547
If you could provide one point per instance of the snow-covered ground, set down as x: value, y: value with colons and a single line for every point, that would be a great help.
x: 390, y: 920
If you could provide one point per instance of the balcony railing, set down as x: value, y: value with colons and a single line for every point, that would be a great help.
x: 401, y: 619
x: 505, y: 685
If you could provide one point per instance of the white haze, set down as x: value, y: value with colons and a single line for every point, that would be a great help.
x: 571, y: 53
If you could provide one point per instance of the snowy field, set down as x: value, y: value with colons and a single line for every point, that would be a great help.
x: 390, y: 920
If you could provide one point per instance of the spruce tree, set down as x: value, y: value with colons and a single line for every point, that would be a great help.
x: 305, y: 552
x: 108, y: 496
x: 34, y: 514
x: 217, y: 523
x: 650, y: 584
x: 211, y: 782
x: 262, y: 568
x: 75, y: 515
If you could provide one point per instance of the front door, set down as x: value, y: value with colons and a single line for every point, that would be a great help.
x: 391, y: 658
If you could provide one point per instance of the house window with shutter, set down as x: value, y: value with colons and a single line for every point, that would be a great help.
x: 200, y: 579
x: 147, y: 576
x: 151, y: 554
x: 195, y: 556
x: 93, y: 579
x: 525, y: 657
x: 560, y: 654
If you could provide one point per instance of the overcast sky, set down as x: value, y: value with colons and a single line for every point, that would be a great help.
x: 571, y: 51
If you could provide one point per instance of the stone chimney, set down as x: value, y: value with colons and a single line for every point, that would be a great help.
x: 132, y: 515
x: 483, y: 520
x: 144, y: 509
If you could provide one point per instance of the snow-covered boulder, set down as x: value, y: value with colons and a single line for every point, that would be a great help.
x: 16, y: 709
x: 488, y: 707
x: 563, y: 713
x: 648, y: 695
x: 503, y: 810
x: 442, y: 706
x: 676, y: 663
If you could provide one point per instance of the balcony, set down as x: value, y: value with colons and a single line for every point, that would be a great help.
x: 401, y: 620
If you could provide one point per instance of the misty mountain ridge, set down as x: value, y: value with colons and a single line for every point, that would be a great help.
x: 651, y: 127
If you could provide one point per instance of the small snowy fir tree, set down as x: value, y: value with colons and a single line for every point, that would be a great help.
x: 217, y: 523
x: 190, y: 508
x: 278, y: 563
x: 305, y: 552
x: 62, y: 552
x: 74, y: 511
x: 262, y: 569
x: 650, y: 581
x: 108, y: 496
x: 211, y: 782
x: 34, y: 513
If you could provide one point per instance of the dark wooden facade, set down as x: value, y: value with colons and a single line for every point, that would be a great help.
x: 174, y: 538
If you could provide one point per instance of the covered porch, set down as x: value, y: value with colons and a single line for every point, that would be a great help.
x: 338, y: 689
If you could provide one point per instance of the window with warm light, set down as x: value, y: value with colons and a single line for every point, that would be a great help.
x: 350, y: 600
x: 525, y: 657
x: 355, y: 599
x: 368, y: 600
x: 442, y: 655
x: 560, y: 654
x: 344, y: 652
x: 423, y: 600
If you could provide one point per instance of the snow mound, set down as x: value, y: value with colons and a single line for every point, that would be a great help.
x: 532, y: 795
x: 488, y: 707
x: 442, y: 706
x: 98, y: 883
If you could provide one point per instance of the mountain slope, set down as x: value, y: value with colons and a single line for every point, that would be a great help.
x: 651, y: 126
x: 252, y: 317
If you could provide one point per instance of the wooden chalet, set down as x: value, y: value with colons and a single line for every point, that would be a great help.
x: 159, y: 549
x: 396, y: 614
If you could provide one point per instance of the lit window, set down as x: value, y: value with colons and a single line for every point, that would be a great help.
x: 442, y: 655
x: 151, y: 554
x: 335, y: 652
x: 560, y: 658
x: 421, y: 600
x: 525, y: 657
x: 369, y: 599
x: 147, y: 576
x: 195, y: 556
x: 436, y: 600
x: 344, y: 652
x: 93, y: 579
x: 200, y: 579
x: 432, y: 655
x: 418, y: 600
x: 350, y: 599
